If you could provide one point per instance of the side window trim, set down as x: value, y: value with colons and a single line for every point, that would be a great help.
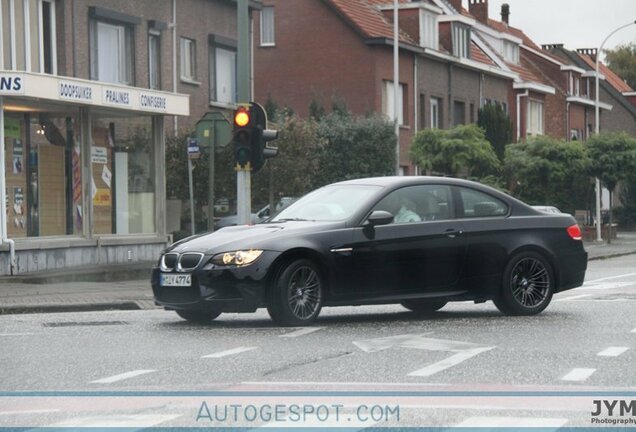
x: 459, y: 204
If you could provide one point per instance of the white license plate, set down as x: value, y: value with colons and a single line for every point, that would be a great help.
x: 176, y: 280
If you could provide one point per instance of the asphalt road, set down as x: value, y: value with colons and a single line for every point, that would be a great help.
x: 379, y: 366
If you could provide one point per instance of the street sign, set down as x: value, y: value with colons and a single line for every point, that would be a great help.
x: 194, y: 152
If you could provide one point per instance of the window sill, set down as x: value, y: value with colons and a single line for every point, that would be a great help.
x: 224, y: 105
x: 190, y: 81
x: 267, y: 45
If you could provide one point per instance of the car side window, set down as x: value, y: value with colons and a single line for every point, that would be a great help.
x: 478, y: 204
x: 418, y: 203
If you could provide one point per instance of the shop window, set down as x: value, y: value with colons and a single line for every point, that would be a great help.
x: 154, y: 60
x: 43, y: 173
x: 123, y: 180
x: 188, y: 60
x: 267, y: 26
x: 222, y: 66
x: 111, y: 52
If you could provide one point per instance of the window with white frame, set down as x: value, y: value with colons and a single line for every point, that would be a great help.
x: 535, y: 118
x: 428, y: 30
x: 435, y: 104
x: 222, y: 57
x: 461, y: 40
x: 511, y: 52
x: 112, y: 55
x: 154, y: 60
x: 188, y: 59
x: 267, y: 26
x: 48, y: 52
x: 388, y: 101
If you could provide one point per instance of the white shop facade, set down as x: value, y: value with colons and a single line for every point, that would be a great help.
x: 82, y: 172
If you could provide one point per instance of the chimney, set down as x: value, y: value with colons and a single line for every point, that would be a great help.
x: 456, y: 4
x: 479, y: 9
x: 552, y: 47
x: 591, y: 52
x: 505, y: 13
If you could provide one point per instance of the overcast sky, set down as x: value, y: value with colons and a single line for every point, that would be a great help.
x: 575, y: 23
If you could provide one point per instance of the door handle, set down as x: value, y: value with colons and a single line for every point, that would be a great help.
x: 452, y: 233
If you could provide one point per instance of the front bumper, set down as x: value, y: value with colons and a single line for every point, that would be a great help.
x: 225, y: 289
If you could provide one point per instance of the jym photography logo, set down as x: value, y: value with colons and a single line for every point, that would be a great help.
x: 614, y: 412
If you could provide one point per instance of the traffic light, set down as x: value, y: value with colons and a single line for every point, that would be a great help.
x: 261, y: 136
x: 251, y: 136
x: 243, y: 135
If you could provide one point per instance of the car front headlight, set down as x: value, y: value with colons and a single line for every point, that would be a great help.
x: 237, y: 258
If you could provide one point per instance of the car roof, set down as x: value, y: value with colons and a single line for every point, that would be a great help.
x: 408, y: 180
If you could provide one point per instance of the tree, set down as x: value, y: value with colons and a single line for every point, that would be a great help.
x: 612, y: 159
x: 548, y: 171
x: 461, y: 151
x: 353, y: 146
x: 289, y: 173
x: 622, y: 61
x: 497, y: 126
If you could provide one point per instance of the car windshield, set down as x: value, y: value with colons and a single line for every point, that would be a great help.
x: 330, y: 203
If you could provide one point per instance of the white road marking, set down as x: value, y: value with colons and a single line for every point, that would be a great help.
x: 117, y: 421
x: 513, y: 422
x: 607, y: 285
x: 229, y: 352
x: 462, y: 350
x: 612, y: 351
x: 301, y: 332
x: 449, y: 362
x: 578, y: 374
x: 573, y: 297
x: 28, y: 412
x: 611, y: 277
x: 17, y: 334
x: 120, y: 377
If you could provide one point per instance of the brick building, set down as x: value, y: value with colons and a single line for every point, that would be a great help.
x: 88, y: 91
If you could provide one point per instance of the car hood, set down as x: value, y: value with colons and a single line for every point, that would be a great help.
x: 261, y: 236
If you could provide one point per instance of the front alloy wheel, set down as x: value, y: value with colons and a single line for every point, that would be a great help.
x: 297, y: 294
x: 528, y: 285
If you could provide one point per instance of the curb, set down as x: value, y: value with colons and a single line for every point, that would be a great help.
x: 125, y: 305
x: 616, y: 255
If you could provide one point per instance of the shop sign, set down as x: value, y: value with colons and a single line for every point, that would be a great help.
x: 153, y: 102
x: 76, y: 92
x: 116, y: 96
x: 99, y: 155
x: 11, y: 84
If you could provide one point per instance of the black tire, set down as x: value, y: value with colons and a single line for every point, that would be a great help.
x: 199, y: 317
x: 297, y: 293
x: 424, y: 305
x: 527, y: 286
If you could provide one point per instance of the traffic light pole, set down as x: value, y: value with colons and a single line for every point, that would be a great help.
x: 243, y: 174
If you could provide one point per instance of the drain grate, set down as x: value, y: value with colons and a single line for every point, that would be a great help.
x: 83, y: 323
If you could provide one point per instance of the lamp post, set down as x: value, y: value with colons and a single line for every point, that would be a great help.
x: 597, y: 128
x: 396, y: 84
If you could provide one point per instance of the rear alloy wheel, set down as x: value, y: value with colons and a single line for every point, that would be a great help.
x: 424, y: 305
x: 297, y: 294
x: 528, y: 285
x: 199, y: 317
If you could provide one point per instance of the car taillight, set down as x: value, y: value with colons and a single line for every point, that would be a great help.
x: 575, y: 232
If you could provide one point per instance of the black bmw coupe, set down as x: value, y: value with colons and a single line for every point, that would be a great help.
x: 417, y: 241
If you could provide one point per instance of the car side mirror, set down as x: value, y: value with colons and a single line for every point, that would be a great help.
x: 379, y: 217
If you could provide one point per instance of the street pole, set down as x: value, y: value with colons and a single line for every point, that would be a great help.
x: 192, y: 227
x: 243, y: 175
x: 597, y: 129
x: 211, y: 171
x: 396, y: 85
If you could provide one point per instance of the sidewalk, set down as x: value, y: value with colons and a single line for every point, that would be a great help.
x: 128, y: 287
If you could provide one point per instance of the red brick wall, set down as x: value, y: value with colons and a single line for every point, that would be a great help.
x: 320, y: 56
